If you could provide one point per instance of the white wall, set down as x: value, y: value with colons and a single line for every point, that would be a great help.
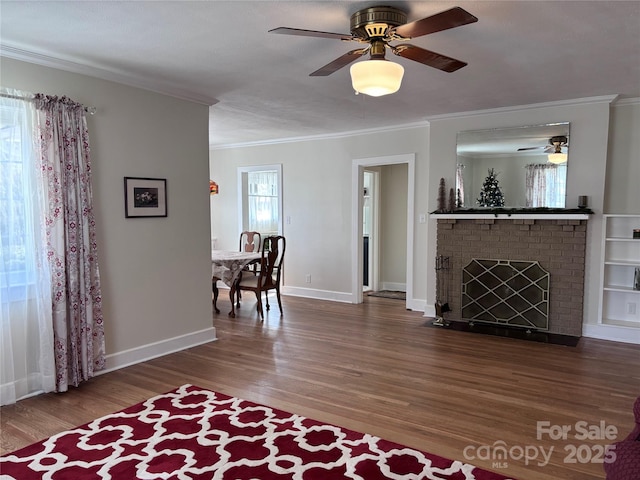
x: 155, y: 272
x: 623, y: 165
x: 393, y: 226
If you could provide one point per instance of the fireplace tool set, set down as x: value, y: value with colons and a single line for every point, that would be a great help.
x: 442, y: 290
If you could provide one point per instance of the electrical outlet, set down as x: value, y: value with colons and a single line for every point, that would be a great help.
x: 632, y: 308
x: 308, y: 278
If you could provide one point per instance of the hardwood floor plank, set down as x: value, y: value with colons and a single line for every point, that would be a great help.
x: 376, y: 368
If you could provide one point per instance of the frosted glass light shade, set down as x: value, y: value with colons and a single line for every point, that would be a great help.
x: 376, y: 77
x: 557, y: 157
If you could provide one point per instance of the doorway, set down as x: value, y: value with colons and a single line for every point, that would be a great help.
x: 358, y: 200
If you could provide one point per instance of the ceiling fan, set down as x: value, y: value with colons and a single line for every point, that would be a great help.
x: 556, y: 144
x: 378, y: 26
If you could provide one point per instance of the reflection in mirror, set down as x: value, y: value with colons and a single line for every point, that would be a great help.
x: 529, y: 166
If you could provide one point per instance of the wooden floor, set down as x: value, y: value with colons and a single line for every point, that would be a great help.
x: 376, y: 368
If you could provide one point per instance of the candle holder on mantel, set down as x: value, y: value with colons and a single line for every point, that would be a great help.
x: 583, y: 201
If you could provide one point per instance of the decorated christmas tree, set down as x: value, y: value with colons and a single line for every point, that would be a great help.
x: 491, y: 195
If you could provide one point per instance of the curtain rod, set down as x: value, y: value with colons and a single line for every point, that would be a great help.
x: 89, y: 110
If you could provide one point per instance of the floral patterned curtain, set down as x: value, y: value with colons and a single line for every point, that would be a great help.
x: 545, y: 185
x: 460, y: 183
x: 535, y: 184
x: 79, y: 346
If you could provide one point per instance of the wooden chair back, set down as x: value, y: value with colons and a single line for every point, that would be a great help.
x: 273, y: 249
x: 250, y: 241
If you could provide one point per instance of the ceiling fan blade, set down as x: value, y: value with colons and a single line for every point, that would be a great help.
x: 454, y: 17
x: 311, y: 33
x: 427, y: 57
x: 528, y: 148
x: 339, y: 62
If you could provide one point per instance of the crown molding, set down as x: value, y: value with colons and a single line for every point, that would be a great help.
x: 93, y: 70
x: 561, y: 103
x: 324, y: 136
x: 622, y: 102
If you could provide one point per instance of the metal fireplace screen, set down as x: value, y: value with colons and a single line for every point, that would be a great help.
x: 506, y: 292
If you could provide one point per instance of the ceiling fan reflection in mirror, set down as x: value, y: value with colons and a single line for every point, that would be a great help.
x: 554, y: 149
x: 378, y: 27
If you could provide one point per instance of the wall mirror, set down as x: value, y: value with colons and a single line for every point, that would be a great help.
x: 529, y: 166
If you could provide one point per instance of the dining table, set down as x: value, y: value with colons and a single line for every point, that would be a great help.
x: 228, y: 265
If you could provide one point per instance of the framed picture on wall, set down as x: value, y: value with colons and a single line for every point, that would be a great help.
x: 145, y: 197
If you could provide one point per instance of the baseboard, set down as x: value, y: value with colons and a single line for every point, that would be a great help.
x: 612, y: 332
x: 308, y: 293
x: 318, y: 294
x: 396, y: 287
x: 429, y: 310
x: 412, y: 304
x: 345, y: 297
x: 116, y: 361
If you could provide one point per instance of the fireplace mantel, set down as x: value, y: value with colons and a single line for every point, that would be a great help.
x: 510, y: 216
x: 515, y: 214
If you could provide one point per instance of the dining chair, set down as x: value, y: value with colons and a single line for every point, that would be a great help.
x: 269, y: 274
x: 250, y: 241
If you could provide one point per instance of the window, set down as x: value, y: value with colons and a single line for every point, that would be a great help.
x: 546, y: 185
x: 27, y: 364
x: 17, y: 179
x: 260, y: 199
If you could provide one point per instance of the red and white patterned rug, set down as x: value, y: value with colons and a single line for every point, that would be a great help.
x: 196, y: 434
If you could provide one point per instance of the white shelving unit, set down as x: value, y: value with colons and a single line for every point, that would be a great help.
x: 620, y: 304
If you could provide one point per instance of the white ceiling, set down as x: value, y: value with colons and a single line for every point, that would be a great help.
x: 219, y: 53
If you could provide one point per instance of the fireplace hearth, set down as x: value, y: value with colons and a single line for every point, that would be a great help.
x: 507, y: 332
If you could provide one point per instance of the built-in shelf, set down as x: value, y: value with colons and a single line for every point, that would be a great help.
x: 620, y: 302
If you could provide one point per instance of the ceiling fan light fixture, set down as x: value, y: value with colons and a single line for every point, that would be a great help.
x: 557, y: 158
x: 376, y: 77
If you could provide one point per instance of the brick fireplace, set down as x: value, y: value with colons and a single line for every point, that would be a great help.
x: 557, y: 244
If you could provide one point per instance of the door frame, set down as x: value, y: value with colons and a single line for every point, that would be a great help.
x: 374, y: 235
x: 357, y: 185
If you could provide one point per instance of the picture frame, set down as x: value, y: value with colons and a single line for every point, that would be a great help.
x: 145, y: 197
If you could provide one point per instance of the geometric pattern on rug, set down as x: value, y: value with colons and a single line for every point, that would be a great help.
x: 196, y: 434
